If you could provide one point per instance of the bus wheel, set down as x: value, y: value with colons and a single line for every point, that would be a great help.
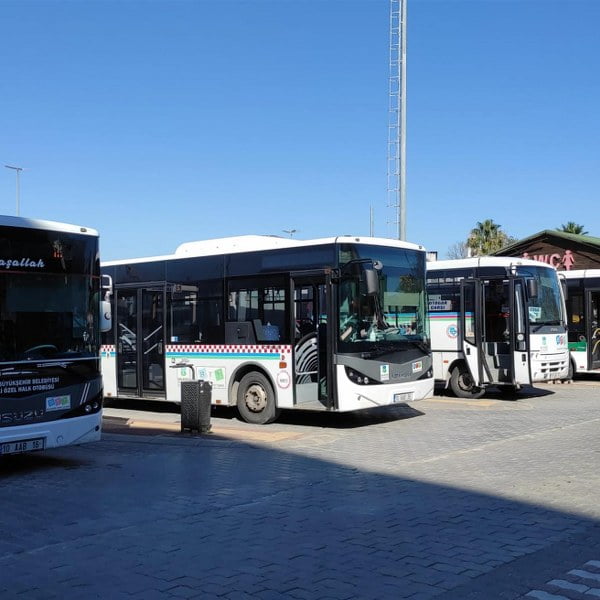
x: 462, y: 384
x: 256, y: 399
x: 571, y: 372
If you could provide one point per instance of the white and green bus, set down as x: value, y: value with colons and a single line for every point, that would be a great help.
x: 583, y: 310
x: 496, y: 322
x: 335, y: 324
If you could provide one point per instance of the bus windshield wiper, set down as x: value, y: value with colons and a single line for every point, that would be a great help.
x: 389, y: 347
x: 65, y: 365
x: 539, y: 324
x: 422, y: 346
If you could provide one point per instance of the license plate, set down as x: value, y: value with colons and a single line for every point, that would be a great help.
x: 22, y: 446
x: 404, y: 397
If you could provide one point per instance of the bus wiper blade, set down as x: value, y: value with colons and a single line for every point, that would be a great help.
x: 374, y: 353
x: 13, y: 371
x: 539, y: 324
x: 422, y: 346
x: 59, y: 365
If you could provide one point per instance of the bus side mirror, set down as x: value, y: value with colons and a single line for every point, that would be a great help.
x: 371, y: 282
x: 532, y: 288
x: 107, y: 286
x: 105, y: 316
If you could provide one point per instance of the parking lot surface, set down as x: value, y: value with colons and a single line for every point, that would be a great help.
x: 446, y: 498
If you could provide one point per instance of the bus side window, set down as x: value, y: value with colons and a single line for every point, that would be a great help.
x: 304, y: 311
x: 576, y: 319
x: 260, y: 303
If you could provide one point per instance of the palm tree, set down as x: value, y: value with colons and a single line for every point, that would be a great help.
x: 572, y: 227
x: 486, y: 238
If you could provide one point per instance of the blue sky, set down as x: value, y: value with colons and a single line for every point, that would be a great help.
x: 162, y: 122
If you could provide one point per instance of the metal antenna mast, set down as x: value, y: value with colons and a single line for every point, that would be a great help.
x: 396, y: 158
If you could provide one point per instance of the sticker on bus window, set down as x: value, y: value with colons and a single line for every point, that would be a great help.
x: 384, y: 372
x: 435, y: 305
x: 417, y: 366
x: 535, y: 313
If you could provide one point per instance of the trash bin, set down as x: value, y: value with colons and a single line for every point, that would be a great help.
x: 196, y: 398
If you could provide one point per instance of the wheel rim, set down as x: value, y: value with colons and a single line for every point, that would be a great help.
x: 256, y: 398
x: 465, y: 382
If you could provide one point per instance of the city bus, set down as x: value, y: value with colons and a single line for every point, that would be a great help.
x: 496, y: 321
x: 583, y: 309
x: 50, y: 318
x: 271, y: 323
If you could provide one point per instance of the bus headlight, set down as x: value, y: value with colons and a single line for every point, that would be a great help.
x: 356, y: 377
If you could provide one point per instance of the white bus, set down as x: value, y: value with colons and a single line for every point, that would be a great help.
x: 335, y: 324
x: 583, y: 310
x: 50, y: 381
x: 496, y: 321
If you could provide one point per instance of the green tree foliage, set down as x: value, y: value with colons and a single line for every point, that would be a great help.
x: 572, y: 227
x: 486, y: 238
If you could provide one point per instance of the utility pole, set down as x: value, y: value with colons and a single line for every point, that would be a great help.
x: 18, y: 172
x: 396, y: 159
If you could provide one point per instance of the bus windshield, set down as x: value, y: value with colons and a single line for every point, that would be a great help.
x: 47, y: 316
x: 546, y: 308
x: 394, y: 315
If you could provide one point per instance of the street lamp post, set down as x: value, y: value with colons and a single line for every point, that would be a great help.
x: 17, y: 170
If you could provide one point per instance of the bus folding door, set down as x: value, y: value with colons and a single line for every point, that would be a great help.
x: 140, y: 342
x: 593, y: 334
x: 312, y: 345
x: 519, y: 334
x: 471, y: 331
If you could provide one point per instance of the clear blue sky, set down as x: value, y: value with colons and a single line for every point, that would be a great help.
x: 159, y: 122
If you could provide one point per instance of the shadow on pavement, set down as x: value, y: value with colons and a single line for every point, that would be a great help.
x: 290, y: 525
x: 160, y: 411
x: 494, y: 393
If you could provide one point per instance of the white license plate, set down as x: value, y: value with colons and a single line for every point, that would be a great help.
x: 404, y: 397
x: 22, y: 446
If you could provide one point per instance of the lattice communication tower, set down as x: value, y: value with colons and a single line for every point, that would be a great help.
x: 396, y: 155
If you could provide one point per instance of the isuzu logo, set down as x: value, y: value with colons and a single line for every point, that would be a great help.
x: 20, y: 416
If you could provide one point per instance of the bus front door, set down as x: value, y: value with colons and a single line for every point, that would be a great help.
x: 505, y: 332
x: 594, y: 328
x: 140, y: 342
x: 470, y: 331
x: 519, y: 334
x: 312, y: 386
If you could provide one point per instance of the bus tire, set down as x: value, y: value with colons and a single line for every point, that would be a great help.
x: 571, y: 371
x: 462, y: 384
x: 256, y: 399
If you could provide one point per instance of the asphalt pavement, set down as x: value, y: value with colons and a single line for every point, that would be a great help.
x: 446, y: 498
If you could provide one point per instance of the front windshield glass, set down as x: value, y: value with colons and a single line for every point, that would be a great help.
x: 393, y: 315
x: 546, y: 307
x: 47, y: 315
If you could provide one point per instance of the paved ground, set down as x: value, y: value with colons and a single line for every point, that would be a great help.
x: 448, y: 499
